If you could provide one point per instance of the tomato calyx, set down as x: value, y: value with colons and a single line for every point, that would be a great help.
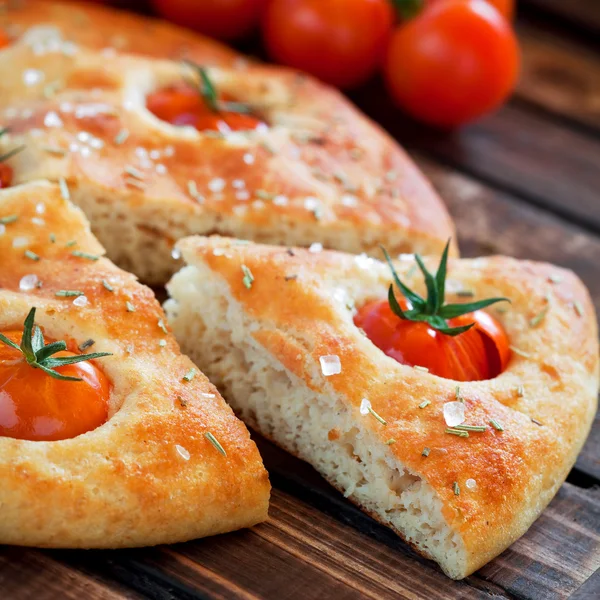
x: 407, y: 9
x: 433, y: 310
x: 40, y: 355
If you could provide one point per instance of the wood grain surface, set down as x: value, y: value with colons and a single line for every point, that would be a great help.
x: 524, y: 182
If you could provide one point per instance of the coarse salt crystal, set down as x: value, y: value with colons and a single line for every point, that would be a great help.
x: 349, y: 200
x: 80, y: 301
x: 182, y: 452
x: 28, y: 282
x: 280, y: 200
x: 330, y: 365
x: 40, y: 208
x: 38, y: 221
x: 176, y: 254
x: 84, y: 136
x: 32, y: 76
x: 470, y: 484
x: 216, y: 185
x: 248, y: 158
x: 207, y: 395
x: 160, y: 169
x: 2, y: 229
x: 52, y: 120
x: 154, y: 154
x: 454, y: 413
x: 238, y: 184
x: 315, y: 247
x: 20, y: 242
x: 242, y: 195
x: 311, y: 203
x: 365, y: 405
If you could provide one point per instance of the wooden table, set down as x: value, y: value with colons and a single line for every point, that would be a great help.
x: 523, y: 182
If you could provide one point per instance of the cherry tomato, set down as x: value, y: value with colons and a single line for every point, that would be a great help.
x: 183, y: 105
x: 480, y: 353
x: 454, y: 62
x: 35, y: 406
x: 4, y: 41
x: 223, y: 19
x: 505, y: 7
x: 6, y: 175
x: 340, y: 41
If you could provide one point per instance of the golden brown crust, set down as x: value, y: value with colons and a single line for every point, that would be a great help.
x: 516, y: 471
x: 320, y: 172
x: 105, y: 28
x: 127, y: 483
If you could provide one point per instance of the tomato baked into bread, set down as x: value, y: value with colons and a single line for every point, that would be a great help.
x: 459, y: 468
x: 153, y: 151
x: 140, y: 448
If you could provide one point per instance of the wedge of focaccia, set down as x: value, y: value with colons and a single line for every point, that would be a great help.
x: 303, y: 165
x: 155, y: 456
x: 275, y: 331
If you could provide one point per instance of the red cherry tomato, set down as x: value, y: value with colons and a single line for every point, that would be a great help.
x: 505, y: 7
x: 480, y: 353
x: 223, y: 19
x: 183, y: 105
x: 6, y: 175
x: 454, y: 62
x: 340, y: 41
x: 4, y: 41
x: 35, y: 406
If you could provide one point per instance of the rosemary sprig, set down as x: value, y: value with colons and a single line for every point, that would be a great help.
x: 432, y: 310
x: 39, y: 355
x: 12, y: 152
x: 208, y: 91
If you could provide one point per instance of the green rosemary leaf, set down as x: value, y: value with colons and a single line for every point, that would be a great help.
x: 479, y: 428
x: 107, y: 286
x: 54, y: 374
x: 26, y: 343
x: 11, y: 153
x: 425, y: 403
x: 189, y: 375
x: 47, y: 351
x: 81, y: 254
x: 213, y: 440
x: 68, y: 293
x: 32, y: 255
x: 456, y: 488
x: 8, y: 219
x: 37, y: 343
x: 71, y: 360
x: 426, y: 451
x: 9, y: 342
x: 496, y: 425
x: 440, y: 277
x: 432, y: 290
x: 248, y: 279
x: 450, y: 311
x: 413, y: 297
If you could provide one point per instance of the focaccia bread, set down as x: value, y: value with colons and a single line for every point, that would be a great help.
x: 317, y: 170
x: 150, y: 474
x: 105, y: 28
x: 258, y: 320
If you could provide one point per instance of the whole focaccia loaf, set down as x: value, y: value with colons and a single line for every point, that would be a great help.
x: 274, y: 330
x: 315, y: 170
x: 172, y: 462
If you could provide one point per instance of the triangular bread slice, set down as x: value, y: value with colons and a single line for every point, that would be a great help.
x: 150, y: 474
x: 258, y: 320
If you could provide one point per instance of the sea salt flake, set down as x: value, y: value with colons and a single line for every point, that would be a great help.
x: 470, y: 484
x: 182, y: 452
x: 248, y: 158
x: 176, y: 254
x: 216, y: 185
x: 2, y: 229
x: 365, y: 405
x: 454, y: 413
x: 38, y: 221
x: 20, y: 242
x: 40, y: 208
x: 80, y: 301
x: 311, y: 203
x: 52, y: 120
x: 32, y: 76
x: 242, y: 195
x: 330, y: 365
x: 28, y: 282
x: 349, y: 200
x: 315, y: 247
x: 238, y: 184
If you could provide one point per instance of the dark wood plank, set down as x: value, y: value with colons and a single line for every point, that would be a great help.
x: 590, y: 590
x: 492, y: 222
x: 26, y: 574
x: 560, y: 75
x: 584, y: 13
x: 543, y: 162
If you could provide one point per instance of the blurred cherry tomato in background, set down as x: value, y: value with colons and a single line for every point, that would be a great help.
x: 504, y: 7
x: 455, y: 61
x: 223, y: 19
x: 340, y: 41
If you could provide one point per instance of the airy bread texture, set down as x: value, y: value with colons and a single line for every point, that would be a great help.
x: 262, y: 342
x: 149, y: 475
x: 320, y: 171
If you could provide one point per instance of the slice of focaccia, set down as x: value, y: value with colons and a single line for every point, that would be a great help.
x: 308, y: 168
x: 170, y: 463
x: 274, y: 330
